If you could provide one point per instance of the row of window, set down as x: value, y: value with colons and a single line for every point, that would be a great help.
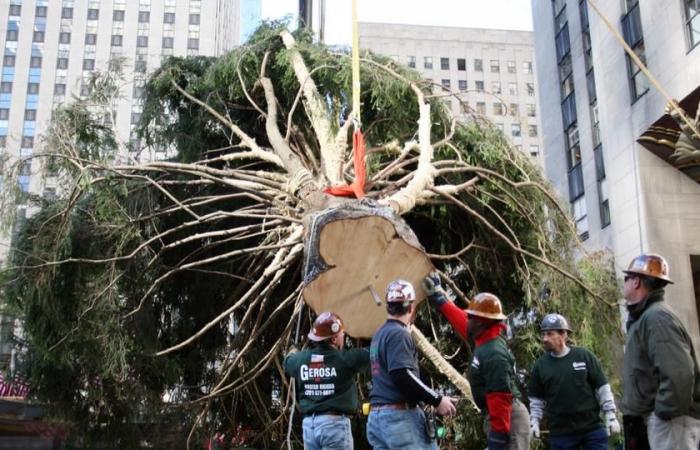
x: 494, y: 64
x: 495, y: 87
x: 91, y: 39
x: 94, y: 14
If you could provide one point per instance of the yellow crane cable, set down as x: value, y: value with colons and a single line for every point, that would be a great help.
x: 671, y: 102
x: 355, y: 65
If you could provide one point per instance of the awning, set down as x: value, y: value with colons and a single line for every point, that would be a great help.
x: 661, y: 138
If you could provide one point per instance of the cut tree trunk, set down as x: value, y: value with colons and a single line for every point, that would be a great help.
x: 353, y: 250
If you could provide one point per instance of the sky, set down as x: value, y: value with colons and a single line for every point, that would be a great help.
x: 500, y: 14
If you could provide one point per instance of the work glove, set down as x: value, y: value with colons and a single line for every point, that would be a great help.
x: 432, y: 287
x: 535, y: 429
x: 612, y: 426
x: 497, y: 441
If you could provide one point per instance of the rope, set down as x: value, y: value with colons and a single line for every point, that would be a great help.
x: 355, y: 66
x: 672, y: 103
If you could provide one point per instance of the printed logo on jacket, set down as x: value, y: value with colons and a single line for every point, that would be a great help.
x: 319, y: 379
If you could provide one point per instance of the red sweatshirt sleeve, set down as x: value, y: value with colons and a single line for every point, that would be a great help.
x: 500, y: 406
x: 457, y: 318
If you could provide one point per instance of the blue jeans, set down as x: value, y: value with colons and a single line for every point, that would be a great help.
x: 327, y: 432
x: 592, y: 440
x: 392, y: 429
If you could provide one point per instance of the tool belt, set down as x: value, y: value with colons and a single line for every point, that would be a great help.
x: 635, y: 433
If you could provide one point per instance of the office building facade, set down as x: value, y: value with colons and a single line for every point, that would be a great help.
x: 608, y: 143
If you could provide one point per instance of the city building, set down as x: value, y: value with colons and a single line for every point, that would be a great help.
x: 51, y: 47
x: 490, y: 72
x: 607, y: 140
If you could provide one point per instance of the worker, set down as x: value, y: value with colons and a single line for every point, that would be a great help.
x: 568, y: 383
x: 660, y: 376
x: 325, y: 383
x: 395, y: 422
x: 492, y: 369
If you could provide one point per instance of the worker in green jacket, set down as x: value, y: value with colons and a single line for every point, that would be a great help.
x: 661, y: 379
x: 567, y: 385
x: 492, y: 369
x: 324, y: 377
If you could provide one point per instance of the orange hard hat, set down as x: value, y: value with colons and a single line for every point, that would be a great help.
x: 650, y: 265
x: 326, y: 325
x: 487, y: 306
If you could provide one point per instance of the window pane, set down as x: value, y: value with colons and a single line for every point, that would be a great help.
x: 67, y: 13
x: 427, y: 62
x: 478, y: 65
x: 445, y: 63
x: 461, y: 64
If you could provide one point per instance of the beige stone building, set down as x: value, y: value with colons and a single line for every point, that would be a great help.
x: 490, y: 72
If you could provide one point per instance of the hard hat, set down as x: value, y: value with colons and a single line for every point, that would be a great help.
x: 650, y: 265
x: 487, y: 306
x: 326, y: 325
x: 400, y: 291
x: 554, y: 322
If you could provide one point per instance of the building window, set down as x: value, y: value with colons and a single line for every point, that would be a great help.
x: 478, y: 65
x: 692, y: 21
x: 32, y: 88
x: 118, y: 15
x: 462, y: 85
x: 428, y: 62
x: 90, y: 39
x: 446, y: 84
x: 6, y: 87
x: 88, y: 64
x: 578, y: 208
x: 444, y: 63
x: 135, y: 117
x: 481, y: 108
x: 144, y: 16
x: 66, y: 13
x: 515, y: 130
x: 169, y: 17
x: 532, y: 130
x: 30, y: 115
x: 8, y: 61
x: 140, y: 66
x: 40, y: 11
x: 116, y: 40
x: 495, y: 87
x: 461, y: 64
x: 142, y: 41
x: 4, y: 113
x: 513, y: 89
x: 632, y: 31
x: 167, y: 42
x: 511, y: 66
x: 11, y: 35
x: 62, y: 63
x: 514, y: 109
x: 534, y: 150
x: 495, y: 66
x: 411, y: 62
x: 35, y: 62
x: 59, y: 89
x: 64, y: 37
x: 530, y: 88
x: 192, y: 44
x: 531, y: 110
x: 194, y: 19
x: 38, y: 36
x: 15, y: 10
x: 527, y: 67
x: 498, y: 109
x: 479, y: 85
x: 27, y: 141
x: 93, y: 14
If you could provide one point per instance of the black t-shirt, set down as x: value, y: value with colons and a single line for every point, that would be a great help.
x: 392, y: 348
